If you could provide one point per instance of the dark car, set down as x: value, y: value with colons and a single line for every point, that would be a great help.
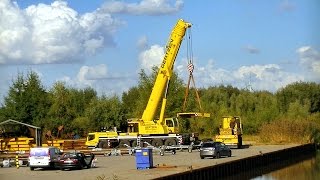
x: 214, y: 150
x: 75, y: 160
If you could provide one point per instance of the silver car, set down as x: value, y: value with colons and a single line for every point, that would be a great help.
x: 214, y: 150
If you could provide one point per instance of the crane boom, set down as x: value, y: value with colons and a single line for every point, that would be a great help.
x: 147, y: 130
x: 161, y: 84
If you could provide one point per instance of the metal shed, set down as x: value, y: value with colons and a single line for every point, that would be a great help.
x: 37, y: 129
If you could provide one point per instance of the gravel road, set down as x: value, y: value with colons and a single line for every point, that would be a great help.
x: 124, y: 167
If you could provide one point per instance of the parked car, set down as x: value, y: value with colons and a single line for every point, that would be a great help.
x: 44, y: 157
x: 75, y: 160
x: 214, y: 150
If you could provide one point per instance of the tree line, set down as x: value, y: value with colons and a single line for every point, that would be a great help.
x: 80, y: 111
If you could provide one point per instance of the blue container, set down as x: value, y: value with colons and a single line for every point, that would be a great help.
x: 144, y: 158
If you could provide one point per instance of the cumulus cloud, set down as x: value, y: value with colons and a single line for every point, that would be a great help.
x: 151, y: 57
x: 259, y: 71
x: 52, y: 33
x: 87, y: 75
x: 149, y: 7
x: 310, y: 58
x: 261, y: 77
x: 266, y: 77
x: 101, y: 80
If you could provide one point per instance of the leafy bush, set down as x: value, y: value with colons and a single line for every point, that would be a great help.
x: 290, y: 131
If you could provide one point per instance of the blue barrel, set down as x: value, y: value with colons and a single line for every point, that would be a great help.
x: 144, y: 158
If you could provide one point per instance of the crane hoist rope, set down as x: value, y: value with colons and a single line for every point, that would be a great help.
x: 190, y: 68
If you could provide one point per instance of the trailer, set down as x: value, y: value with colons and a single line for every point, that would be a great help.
x: 165, y: 149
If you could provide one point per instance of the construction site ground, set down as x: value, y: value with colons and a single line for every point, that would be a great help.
x: 124, y: 166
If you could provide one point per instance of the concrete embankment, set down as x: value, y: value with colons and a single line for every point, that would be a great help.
x: 249, y: 167
x: 182, y: 165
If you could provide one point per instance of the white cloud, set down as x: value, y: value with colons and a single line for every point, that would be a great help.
x: 265, y: 77
x: 259, y: 71
x: 261, y: 77
x: 98, y: 78
x: 95, y: 72
x: 52, y: 33
x: 149, y: 7
x: 151, y: 57
x: 88, y: 75
x: 310, y: 58
x: 142, y: 42
x: 269, y: 77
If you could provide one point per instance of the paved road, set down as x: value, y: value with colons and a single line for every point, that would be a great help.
x: 124, y: 167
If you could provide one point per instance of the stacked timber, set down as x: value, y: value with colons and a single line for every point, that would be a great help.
x: 67, y: 144
x: 25, y: 143
x: 73, y: 144
x: 17, y: 144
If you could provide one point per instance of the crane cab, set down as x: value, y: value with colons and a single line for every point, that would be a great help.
x: 172, y: 124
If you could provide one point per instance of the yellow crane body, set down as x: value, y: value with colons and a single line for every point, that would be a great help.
x: 148, y: 124
x: 230, y: 131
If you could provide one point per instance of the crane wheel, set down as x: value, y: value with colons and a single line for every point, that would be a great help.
x: 170, y: 142
x: 103, y: 144
x: 123, y: 142
x: 157, y: 142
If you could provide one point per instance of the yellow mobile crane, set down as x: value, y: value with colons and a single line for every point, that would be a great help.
x: 147, y: 124
x: 148, y: 129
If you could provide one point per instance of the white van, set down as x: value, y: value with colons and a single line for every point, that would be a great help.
x: 44, y: 157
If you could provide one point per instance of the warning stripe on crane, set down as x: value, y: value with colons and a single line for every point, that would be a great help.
x: 190, y: 67
x: 180, y: 140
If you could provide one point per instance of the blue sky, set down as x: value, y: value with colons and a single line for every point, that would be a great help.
x: 263, y: 45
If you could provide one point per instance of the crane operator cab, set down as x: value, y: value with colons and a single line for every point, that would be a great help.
x: 133, y: 126
x: 173, y: 125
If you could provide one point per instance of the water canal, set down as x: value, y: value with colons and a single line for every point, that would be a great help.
x: 308, y: 169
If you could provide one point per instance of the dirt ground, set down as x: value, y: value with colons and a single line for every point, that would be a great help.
x: 124, y: 167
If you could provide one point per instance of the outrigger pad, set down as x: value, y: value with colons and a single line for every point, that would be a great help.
x: 193, y: 114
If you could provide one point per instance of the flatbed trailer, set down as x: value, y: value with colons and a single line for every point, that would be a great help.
x: 166, y: 149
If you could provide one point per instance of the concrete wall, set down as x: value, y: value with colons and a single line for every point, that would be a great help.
x: 249, y: 167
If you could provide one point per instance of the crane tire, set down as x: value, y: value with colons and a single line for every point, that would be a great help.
x: 122, y: 142
x: 170, y: 142
x: 103, y: 144
x: 157, y: 142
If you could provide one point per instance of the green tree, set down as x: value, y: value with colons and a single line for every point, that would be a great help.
x: 68, y: 109
x: 298, y: 111
x: 62, y: 111
x: 105, y: 113
x: 266, y: 107
x: 300, y: 91
x: 80, y: 99
x: 129, y: 102
x: 136, y: 98
x: 81, y: 126
x: 27, y: 100
x: 2, y: 114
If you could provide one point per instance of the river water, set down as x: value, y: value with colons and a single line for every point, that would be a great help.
x: 308, y: 169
